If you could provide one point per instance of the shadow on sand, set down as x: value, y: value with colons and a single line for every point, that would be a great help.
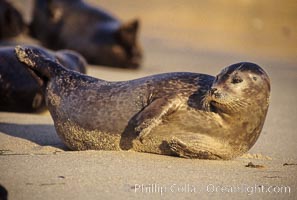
x: 41, y: 134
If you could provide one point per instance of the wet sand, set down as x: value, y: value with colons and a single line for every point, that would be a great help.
x: 198, y: 37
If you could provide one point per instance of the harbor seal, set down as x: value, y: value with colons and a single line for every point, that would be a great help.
x: 19, y: 90
x: 184, y: 114
x: 100, y: 37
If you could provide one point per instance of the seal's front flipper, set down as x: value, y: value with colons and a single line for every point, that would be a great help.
x: 38, y: 62
x: 183, y: 150
x: 151, y: 116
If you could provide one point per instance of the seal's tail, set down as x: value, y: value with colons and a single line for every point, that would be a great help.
x: 37, y: 62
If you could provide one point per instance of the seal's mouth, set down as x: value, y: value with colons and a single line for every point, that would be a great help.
x: 214, y: 105
x: 225, y: 103
x: 217, y: 100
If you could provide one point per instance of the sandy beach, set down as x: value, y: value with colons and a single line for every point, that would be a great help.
x: 175, y: 36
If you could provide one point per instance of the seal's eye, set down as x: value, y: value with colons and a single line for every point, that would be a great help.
x: 236, y: 80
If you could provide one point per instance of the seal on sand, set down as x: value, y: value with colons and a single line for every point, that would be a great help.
x: 20, y: 89
x: 184, y: 114
x: 100, y: 37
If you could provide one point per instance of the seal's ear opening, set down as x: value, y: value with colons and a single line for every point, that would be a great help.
x: 127, y: 33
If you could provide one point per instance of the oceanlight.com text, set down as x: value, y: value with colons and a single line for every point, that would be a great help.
x: 210, y: 188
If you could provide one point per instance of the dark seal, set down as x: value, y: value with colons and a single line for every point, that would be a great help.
x: 184, y: 114
x: 3, y: 193
x: 11, y: 21
x: 100, y: 37
x: 20, y: 89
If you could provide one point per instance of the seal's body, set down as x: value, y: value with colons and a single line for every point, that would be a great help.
x: 19, y: 90
x: 186, y: 114
x: 98, y: 36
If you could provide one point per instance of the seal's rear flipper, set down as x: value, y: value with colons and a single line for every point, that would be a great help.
x: 39, y: 63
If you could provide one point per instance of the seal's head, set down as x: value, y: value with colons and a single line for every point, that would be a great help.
x: 240, y: 96
x: 239, y: 88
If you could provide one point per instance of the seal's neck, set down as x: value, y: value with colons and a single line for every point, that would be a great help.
x: 246, y: 123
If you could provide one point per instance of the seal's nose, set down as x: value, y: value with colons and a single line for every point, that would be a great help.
x: 213, y: 90
x: 215, y: 93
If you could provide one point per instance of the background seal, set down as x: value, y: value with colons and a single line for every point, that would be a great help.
x: 20, y: 89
